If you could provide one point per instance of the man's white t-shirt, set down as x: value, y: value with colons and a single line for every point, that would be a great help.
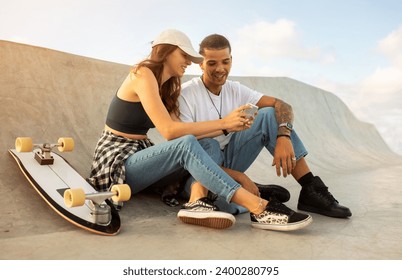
x: 197, y: 103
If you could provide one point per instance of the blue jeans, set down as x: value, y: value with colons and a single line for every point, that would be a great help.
x: 245, y: 146
x: 152, y: 164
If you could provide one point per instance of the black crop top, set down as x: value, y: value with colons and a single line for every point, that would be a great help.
x: 128, y: 117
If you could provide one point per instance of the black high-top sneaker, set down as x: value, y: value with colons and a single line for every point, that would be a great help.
x: 317, y: 199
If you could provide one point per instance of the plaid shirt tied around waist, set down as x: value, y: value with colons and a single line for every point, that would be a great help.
x: 108, y: 167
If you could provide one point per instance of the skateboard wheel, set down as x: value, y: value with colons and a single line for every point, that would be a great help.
x: 123, y: 192
x: 23, y: 144
x: 74, y: 197
x: 66, y: 144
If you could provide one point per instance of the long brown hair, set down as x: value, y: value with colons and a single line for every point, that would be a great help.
x: 170, y: 90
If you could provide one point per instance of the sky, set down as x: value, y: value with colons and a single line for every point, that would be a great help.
x: 350, y: 48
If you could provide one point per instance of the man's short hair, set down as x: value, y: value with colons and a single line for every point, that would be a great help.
x: 214, y: 42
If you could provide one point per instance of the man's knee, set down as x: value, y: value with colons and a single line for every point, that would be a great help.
x: 212, y: 147
x: 266, y: 118
x: 267, y: 111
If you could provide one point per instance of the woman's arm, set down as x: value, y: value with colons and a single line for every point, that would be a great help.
x: 144, y: 85
x: 243, y: 180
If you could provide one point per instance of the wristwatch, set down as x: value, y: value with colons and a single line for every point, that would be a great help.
x: 287, y: 125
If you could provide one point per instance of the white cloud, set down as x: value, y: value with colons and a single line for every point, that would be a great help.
x: 384, y: 84
x: 265, y: 41
x: 391, y: 47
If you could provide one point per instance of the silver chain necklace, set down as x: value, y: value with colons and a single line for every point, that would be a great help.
x: 213, y: 104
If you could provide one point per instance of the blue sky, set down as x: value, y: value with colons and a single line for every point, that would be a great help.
x: 350, y: 48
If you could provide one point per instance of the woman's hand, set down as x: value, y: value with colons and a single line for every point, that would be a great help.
x: 237, y: 121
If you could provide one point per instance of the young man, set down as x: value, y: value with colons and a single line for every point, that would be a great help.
x: 212, y: 96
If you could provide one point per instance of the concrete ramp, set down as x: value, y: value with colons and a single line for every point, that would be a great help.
x: 46, y: 94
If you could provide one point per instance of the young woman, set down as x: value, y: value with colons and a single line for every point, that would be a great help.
x: 148, y: 98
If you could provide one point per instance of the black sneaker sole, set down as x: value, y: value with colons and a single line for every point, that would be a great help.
x: 213, y: 219
x: 324, y: 212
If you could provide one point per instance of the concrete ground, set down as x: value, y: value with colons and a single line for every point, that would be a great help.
x: 47, y: 94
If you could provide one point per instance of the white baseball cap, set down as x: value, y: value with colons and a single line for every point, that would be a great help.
x: 178, y: 38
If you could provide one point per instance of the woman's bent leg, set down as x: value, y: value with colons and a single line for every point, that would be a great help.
x: 147, y: 166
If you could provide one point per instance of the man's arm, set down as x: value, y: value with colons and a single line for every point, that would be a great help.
x: 283, y: 112
x: 284, y: 152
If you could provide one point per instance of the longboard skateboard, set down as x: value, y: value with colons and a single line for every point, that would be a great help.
x: 65, y: 190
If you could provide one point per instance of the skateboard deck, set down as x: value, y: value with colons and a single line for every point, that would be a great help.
x: 54, y: 180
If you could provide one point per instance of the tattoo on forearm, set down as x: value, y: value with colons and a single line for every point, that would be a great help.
x: 283, y: 112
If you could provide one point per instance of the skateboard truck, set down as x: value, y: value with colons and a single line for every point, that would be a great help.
x: 43, y: 157
x: 100, y: 211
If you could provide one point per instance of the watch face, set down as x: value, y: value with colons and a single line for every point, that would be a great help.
x: 287, y: 125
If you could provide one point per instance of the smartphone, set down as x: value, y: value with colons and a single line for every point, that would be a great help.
x: 250, y: 112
